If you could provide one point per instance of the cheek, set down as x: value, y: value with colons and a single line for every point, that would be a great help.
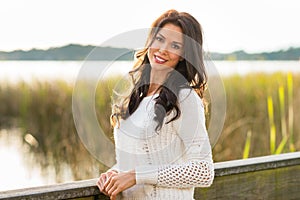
x: 174, y: 57
x: 151, y: 52
x: 155, y: 45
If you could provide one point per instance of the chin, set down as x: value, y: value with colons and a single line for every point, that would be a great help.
x: 160, y: 67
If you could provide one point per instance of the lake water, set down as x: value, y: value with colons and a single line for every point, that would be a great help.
x: 13, y: 71
x: 18, y: 165
x: 18, y: 172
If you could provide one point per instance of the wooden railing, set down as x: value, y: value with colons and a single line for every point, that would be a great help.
x: 267, y: 177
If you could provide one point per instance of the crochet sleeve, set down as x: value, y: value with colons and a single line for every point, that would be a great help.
x: 198, y: 170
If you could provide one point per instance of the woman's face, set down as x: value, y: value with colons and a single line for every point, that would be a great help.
x: 167, y: 48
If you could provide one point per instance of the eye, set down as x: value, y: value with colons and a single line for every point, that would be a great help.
x: 160, y: 39
x: 175, y: 46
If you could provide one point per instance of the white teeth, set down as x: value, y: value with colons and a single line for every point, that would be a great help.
x: 159, y: 59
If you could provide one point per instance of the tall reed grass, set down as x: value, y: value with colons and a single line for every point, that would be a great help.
x: 265, y: 105
x: 43, y: 110
x: 286, y: 132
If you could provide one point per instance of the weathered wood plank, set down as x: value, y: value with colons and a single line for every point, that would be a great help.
x: 268, y: 177
x: 258, y: 163
x: 280, y: 183
x: 70, y: 190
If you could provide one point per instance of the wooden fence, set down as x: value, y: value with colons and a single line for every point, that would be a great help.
x: 268, y: 177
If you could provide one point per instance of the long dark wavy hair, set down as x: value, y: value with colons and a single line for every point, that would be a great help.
x: 188, y: 73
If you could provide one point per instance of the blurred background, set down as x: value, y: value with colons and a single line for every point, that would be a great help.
x: 254, y: 45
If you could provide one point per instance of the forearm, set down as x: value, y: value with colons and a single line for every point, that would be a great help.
x: 191, y: 174
x: 196, y: 173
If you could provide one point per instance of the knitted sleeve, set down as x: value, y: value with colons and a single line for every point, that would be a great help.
x: 198, y: 171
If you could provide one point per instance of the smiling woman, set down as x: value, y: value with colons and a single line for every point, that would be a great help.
x: 162, y: 147
x: 164, y: 54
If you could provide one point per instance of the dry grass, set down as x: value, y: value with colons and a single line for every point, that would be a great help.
x: 44, y: 110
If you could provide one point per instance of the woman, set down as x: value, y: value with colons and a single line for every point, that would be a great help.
x: 162, y: 146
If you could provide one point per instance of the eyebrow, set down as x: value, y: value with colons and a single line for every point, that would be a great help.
x: 165, y: 38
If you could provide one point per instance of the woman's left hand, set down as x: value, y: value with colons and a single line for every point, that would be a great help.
x: 119, y: 182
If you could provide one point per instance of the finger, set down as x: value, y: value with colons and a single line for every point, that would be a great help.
x: 112, y: 185
x: 102, y: 180
x: 102, y: 190
x: 100, y: 183
x: 110, y: 173
x: 114, y: 194
x: 108, y: 182
x: 112, y: 191
x: 113, y: 197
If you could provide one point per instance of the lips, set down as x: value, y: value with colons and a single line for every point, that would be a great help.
x: 159, y: 60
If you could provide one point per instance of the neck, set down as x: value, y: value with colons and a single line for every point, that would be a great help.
x: 153, y: 88
x: 157, y: 78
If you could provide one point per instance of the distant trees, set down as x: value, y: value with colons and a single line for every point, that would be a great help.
x: 80, y: 52
x: 70, y: 52
x: 289, y: 54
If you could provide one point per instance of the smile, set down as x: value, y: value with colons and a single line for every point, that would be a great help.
x: 159, y: 60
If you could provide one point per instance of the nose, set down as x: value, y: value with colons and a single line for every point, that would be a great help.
x: 163, y: 48
x: 162, y: 51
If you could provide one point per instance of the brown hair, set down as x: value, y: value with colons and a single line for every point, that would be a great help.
x: 188, y: 73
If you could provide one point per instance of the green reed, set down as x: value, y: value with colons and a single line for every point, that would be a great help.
x: 290, y: 112
x: 271, y: 124
x: 286, y: 131
x: 285, y: 126
x: 247, y: 145
x: 269, y: 121
x: 44, y: 110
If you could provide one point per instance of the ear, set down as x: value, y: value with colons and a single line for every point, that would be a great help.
x: 181, y: 59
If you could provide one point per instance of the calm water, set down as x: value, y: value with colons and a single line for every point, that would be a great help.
x: 18, y: 164
x: 19, y: 168
x: 13, y: 71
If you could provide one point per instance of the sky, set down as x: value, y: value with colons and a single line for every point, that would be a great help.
x: 231, y: 25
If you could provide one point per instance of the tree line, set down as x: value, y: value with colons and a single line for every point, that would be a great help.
x: 90, y: 52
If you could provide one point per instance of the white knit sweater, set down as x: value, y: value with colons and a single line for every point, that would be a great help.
x: 170, y: 163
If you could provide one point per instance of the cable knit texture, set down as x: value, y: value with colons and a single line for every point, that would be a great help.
x: 168, y: 163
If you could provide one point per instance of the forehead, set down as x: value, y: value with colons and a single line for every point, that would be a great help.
x: 171, y: 31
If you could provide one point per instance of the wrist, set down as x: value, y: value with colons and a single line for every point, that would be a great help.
x: 132, y: 176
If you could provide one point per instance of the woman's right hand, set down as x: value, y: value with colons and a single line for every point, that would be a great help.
x: 102, y: 180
